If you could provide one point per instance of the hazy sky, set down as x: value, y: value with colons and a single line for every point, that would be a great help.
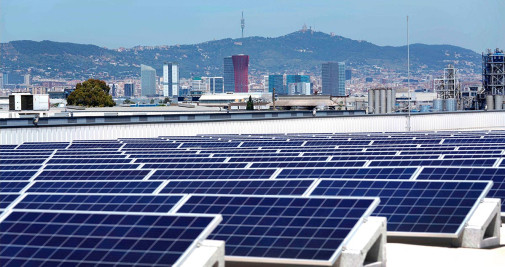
x: 473, y: 24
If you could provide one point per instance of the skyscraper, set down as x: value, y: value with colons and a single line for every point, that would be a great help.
x: 229, y: 76
x: 170, y: 79
x: 277, y: 82
x: 129, y: 89
x: 298, y: 84
x: 215, y: 84
x: 241, y: 73
x: 333, y: 76
x: 147, y: 80
x: 348, y: 75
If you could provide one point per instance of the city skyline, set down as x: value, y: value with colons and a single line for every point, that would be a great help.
x: 379, y: 23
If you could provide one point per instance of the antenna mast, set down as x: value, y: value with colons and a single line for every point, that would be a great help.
x: 242, y: 24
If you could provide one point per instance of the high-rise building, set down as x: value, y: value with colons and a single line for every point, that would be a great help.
x: 113, y: 89
x: 170, y: 79
x: 348, y: 75
x: 241, y: 73
x: 147, y: 80
x: 277, y: 82
x: 333, y: 76
x: 129, y: 89
x: 229, y: 76
x: 299, y: 88
x: 215, y: 84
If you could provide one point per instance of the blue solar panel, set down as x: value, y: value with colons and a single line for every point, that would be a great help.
x: 335, y: 143
x: 89, y: 239
x: 209, y: 144
x: 21, y: 161
x: 93, y: 175
x: 7, y: 199
x: 99, y: 187
x: 43, y: 146
x: 91, y: 167
x: 276, y: 228
x: 193, y: 165
x: 270, y: 143
x: 414, y: 206
x: 94, y: 145
x: 239, y: 187
x: 356, y: 173
x: 87, y: 161
x: 497, y: 175
x: 89, y: 156
x: 151, y: 145
x: 310, y: 164
x: 8, y: 146
x: 447, y: 162
x: 12, y: 187
x: 182, y: 174
x: 16, y: 175
x: 20, y: 167
x: 274, y: 159
x: 175, y: 160
x: 108, y: 203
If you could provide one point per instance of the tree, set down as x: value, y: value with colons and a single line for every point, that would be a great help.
x: 166, y: 100
x: 250, y: 104
x: 91, y: 93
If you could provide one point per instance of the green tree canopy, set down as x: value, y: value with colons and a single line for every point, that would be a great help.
x: 250, y: 104
x: 91, y: 93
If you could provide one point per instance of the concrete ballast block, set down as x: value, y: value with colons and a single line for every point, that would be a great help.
x: 367, y: 246
x: 483, y: 228
x: 209, y: 253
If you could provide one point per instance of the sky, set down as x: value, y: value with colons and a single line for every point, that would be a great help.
x: 472, y: 24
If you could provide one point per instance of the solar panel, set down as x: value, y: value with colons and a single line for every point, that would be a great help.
x: 7, y: 199
x: 182, y: 174
x: 276, y: 229
x: 91, y: 167
x: 35, y: 238
x: 89, y: 156
x: 94, y: 145
x: 20, y: 167
x: 442, y: 162
x: 422, y: 208
x: 356, y: 173
x: 93, y: 175
x: 97, y: 202
x: 151, y: 145
x: 99, y: 187
x: 12, y: 187
x: 193, y: 165
x: 20, y: 175
x: 43, y: 146
x: 274, y: 159
x: 497, y: 175
x: 239, y: 187
x: 175, y: 160
x: 21, y: 161
x: 310, y: 164
x: 87, y: 161
x: 8, y: 146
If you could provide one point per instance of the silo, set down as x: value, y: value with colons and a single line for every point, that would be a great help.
x: 383, y: 100
x: 425, y: 108
x: 489, y: 102
x: 393, y: 99
x: 389, y: 109
x: 370, y: 101
x: 377, y: 104
x: 437, y: 105
x: 450, y: 104
x: 498, y: 102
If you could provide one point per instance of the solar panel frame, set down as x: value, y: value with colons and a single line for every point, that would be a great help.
x: 106, y: 186
x: 214, y: 222
x: 420, y: 234
x: 263, y: 260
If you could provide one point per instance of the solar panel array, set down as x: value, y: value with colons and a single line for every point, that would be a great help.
x: 282, y: 197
